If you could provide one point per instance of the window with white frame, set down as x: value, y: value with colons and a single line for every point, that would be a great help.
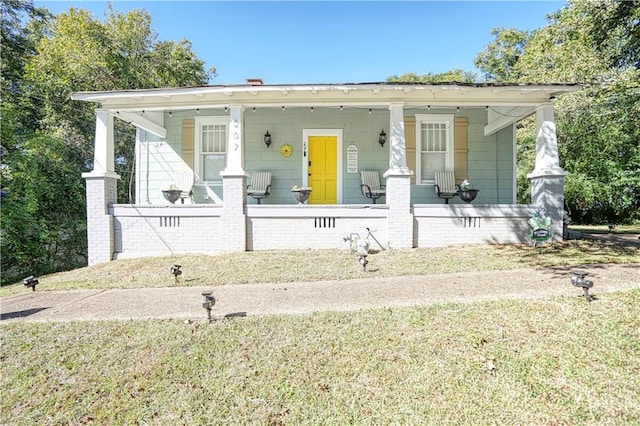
x: 434, y: 143
x: 210, y: 147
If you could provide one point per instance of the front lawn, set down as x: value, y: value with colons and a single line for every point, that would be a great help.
x: 557, y: 361
x: 315, y: 265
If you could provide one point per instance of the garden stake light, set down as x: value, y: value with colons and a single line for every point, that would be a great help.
x: 578, y: 280
x: 363, y: 251
x: 31, y: 281
x: 175, y: 270
x: 209, y: 301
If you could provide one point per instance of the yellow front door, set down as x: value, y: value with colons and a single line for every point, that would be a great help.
x: 323, y: 169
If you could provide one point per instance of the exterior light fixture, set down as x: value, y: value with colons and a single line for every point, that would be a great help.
x: 267, y: 139
x: 209, y: 301
x: 176, y: 271
x: 31, y: 281
x: 382, y: 138
x: 578, y: 280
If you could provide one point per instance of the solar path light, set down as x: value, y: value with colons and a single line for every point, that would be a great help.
x: 31, y: 281
x: 176, y: 271
x: 209, y: 301
x: 578, y: 280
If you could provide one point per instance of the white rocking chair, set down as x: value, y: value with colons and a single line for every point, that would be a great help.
x: 183, y: 180
x: 370, y: 185
x: 446, y: 186
x: 260, y: 186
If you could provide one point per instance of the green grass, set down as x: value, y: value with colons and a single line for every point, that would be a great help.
x: 604, y: 229
x: 314, y: 265
x: 557, y: 361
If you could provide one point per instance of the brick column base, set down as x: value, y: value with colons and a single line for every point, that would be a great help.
x: 101, y: 192
x: 234, y: 219
x: 400, y: 220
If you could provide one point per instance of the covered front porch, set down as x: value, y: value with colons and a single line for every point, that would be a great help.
x: 475, y: 124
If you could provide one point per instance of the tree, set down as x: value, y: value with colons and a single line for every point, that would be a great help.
x: 458, y: 76
x: 500, y: 56
x: 18, y: 116
x: 47, y: 139
x: 43, y: 226
x: 85, y: 54
x: 595, y: 43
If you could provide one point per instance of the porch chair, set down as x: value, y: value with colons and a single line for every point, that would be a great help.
x: 446, y: 186
x: 370, y: 185
x: 183, y: 180
x: 260, y: 186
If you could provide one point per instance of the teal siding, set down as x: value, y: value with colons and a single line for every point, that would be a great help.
x: 490, y: 167
x: 489, y: 159
x: 358, y: 126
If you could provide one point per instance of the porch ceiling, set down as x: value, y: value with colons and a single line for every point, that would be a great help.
x: 330, y: 95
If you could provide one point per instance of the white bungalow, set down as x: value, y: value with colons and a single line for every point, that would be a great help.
x: 321, y: 136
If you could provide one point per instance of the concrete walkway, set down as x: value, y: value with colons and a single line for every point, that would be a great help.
x: 306, y: 297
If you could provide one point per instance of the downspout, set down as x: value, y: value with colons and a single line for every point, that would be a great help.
x: 146, y: 172
x: 497, y: 145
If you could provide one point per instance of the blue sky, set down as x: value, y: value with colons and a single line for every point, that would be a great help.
x: 330, y: 41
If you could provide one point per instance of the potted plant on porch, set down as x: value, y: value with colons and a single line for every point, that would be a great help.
x: 301, y: 194
x: 172, y: 194
x: 466, y: 193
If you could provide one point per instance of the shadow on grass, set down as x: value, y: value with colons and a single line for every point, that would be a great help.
x: 564, y: 256
x: 21, y: 314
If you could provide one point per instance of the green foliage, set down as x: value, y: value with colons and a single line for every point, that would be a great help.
x: 19, y: 114
x: 595, y: 43
x: 501, y: 56
x: 43, y: 230
x: 456, y: 75
x: 84, y: 54
x: 601, y: 150
x: 47, y: 139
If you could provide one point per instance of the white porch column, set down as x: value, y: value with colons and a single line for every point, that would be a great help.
x: 234, y: 188
x: 101, y: 187
x: 547, y: 177
x: 398, y: 181
x: 235, y: 148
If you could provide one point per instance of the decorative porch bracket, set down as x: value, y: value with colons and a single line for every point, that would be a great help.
x: 143, y: 123
x: 398, y: 181
x: 547, y: 178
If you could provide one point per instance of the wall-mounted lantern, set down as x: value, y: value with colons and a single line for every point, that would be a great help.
x: 382, y: 138
x: 267, y: 139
